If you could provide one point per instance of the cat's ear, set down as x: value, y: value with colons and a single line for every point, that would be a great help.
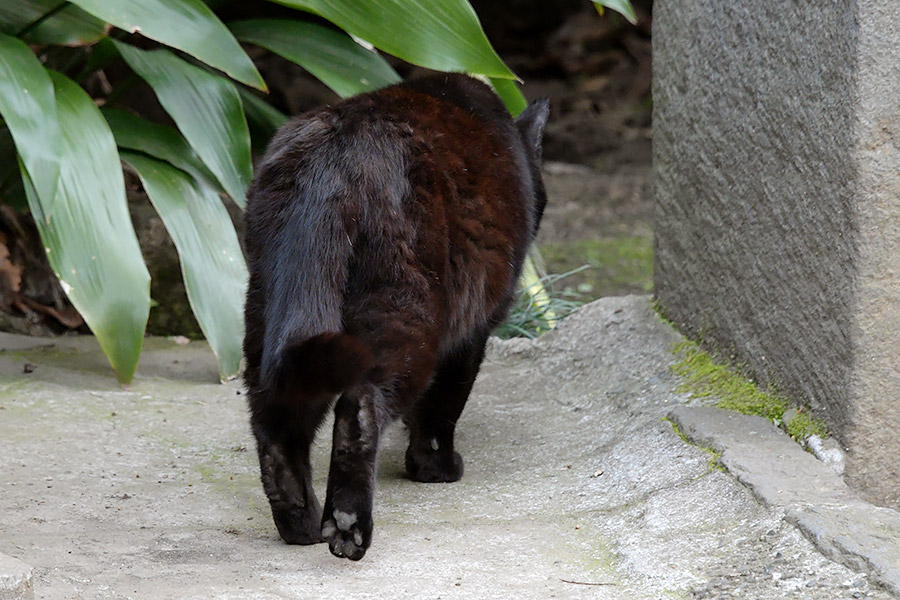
x: 531, y: 124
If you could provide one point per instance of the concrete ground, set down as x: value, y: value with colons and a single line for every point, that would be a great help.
x: 576, y: 486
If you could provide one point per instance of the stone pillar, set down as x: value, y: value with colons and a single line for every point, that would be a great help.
x: 777, y: 164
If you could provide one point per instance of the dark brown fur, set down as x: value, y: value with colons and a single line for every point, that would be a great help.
x: 385, y: 237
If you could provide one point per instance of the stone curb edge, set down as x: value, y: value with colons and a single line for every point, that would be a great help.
x: 814, y: 498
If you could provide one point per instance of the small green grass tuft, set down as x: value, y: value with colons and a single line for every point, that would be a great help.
x: 703, y: 377
x: 538, y: 310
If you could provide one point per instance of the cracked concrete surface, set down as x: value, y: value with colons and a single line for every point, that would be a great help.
x: 575, y: 485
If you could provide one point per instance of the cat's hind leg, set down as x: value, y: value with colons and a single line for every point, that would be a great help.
x: 360, y: 416
x: 284, y: 435
x: 431, y: 456
x: 347, y: 519
x: 285, y: 417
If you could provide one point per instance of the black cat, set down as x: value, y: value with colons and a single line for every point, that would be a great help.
x: 385, y: 238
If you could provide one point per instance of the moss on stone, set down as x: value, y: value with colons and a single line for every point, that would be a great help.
x: 713, y: 463
x: 802, y: 426
x: 703, y: 377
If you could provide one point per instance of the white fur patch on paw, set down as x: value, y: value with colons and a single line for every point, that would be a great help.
x: 344, y: 520
x: 328, y: 529
x: 343, y: 535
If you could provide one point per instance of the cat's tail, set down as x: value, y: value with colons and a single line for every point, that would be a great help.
x: 304, y: 347
x: 304, y: 268
x: 316, y: 183
x: 326, y: 363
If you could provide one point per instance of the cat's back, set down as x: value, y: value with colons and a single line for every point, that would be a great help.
x: 403, y: 211
x: 458, y: 125
x: 373, y: 135
x: 443, y: 144
x: 465, y: 159
x: 453, y: 116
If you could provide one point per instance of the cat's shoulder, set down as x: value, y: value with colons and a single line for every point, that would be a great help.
x: 461, y: 91
x: 428, y: 98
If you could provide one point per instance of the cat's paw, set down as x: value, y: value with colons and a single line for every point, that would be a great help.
x: 348, y: 533
x: 434, y: 466
x: 298, y: 525
x: 295, y: 508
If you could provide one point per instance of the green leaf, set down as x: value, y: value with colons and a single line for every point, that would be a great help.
x: 87, y: 232
x: 134, y: 133
x: 16, y: 16
x: 188, y: 25
x: 622, y: 7
x: 50, y: 22
x: 207, y: 110
x: 439, y: 34
x: 71, y: 26
x: 28, y: 107
x: 330, y: 55
x: 512, y: 97
x: 215, y: 274
x: 260, y: 110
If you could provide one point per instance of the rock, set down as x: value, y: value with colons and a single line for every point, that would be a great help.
x: 829, y: 452
x: 16, y: 579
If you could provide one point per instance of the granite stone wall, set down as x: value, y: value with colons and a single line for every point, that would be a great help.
x: 777, y: 191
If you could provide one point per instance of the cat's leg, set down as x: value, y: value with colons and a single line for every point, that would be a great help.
x: 284, y: 429
x: 403, y: 341
x: 283, y: 439
x: 430, y: 456
x: 347, y: 519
